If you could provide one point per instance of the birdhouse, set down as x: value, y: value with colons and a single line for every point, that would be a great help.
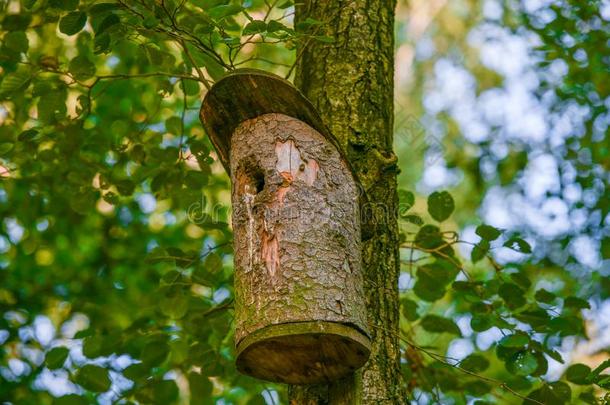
x: 299, y: 304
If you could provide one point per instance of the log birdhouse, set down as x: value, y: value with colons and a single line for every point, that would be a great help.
x: 299, y: 310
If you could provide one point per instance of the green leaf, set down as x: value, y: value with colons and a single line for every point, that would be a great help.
x: 52, y: 106
x: 70, y: 399
x: 523, y: 363
x: 155, y: 353
x: 195, y: 179
x: 519, y: 383
x: 438, y: 324
x: 598, y: 370
x: 477, y: 388
x: 512, y: 294
x: 107, y: 23
x: 605, y: 248
x: 409, y: 309
x: 150, y: 21
x: 66, y: 5
x: 173, y: 125
x: 182, y: 259
x: 158, y: 392
x: 538, y: 318
x: 72, y: 23
x: 517, y: 340
x: 588, y: 398
x: 521, y: 279
x: 125, y: 187
x: 175, y: 305
x: 518, y: 245
x: 543, y: 364
x: 439, y: 273
x: 14, y: 82
x: 544, y: 296
x: 136, y: 372
x: 101, y: 44
x: 213, y: 67
x: 17, y: 41
x: 561, y: 390
x: 479, y: 251
x: 158, y: 255
x: 481, y: 323
x: 81, y: 68
x: 475, y: 363
x: 557, y: 393
x: 578, y: 374
x: 213, y: 263
x: 102, y: 8
x: 255, y: 27
x: 275, y: 26
x: 427, y: 291
x: 440, y: 205
x: 27, y: 135
x: 29, y: 3
x: 92, y: 346
x: 5, y: 148
x: 488, y: 232
x: 56, y: 357
x: 432, y: 278
x: 406, y: 200
x: 16, y: 22
x: 190, y: 87
x: 225, y: 10
x: 93, y: 378
x: 576, y: 303
x: 413, y: 219
x: 553, y: 354
x: 567, y: 325
x: 430, y: 237
x: 200, y: 386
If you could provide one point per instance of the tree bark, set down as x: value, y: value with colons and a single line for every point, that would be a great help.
x: 350, y: 81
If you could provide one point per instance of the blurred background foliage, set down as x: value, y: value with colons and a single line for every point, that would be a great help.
x: 115, y: 248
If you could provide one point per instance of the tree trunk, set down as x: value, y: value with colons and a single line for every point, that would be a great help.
x: 350, y: 81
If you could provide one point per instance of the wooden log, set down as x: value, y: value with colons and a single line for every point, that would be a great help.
x: 300, y: 311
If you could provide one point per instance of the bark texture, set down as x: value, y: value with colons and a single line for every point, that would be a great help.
x: 350, y: 81
x: 297, y: 253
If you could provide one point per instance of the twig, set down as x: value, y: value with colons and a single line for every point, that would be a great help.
x: 183, y: 114
x: 442, y: 359
x: 199, y: 72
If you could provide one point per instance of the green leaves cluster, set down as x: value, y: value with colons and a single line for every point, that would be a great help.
x: 493, y: 297
x: 106, y: 170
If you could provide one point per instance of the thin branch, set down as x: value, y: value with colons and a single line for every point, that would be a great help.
x: 197, y: 68
x: 256, y: 58
x: 443, y: 359
x: 183, y: 114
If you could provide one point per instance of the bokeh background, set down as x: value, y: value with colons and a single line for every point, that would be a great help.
x: 114, y: 212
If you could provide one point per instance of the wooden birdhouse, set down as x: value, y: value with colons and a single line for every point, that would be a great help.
x: 300, y: 310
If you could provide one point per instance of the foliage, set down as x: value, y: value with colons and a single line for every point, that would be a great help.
x: 115, y: 235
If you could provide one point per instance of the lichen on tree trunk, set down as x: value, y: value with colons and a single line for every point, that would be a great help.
x: 296, y: 239
x: 350, y: 81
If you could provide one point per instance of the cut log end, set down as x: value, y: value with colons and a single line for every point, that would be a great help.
x: 303, y: 353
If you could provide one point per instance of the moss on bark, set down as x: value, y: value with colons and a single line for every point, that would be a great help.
x: 350, y: 81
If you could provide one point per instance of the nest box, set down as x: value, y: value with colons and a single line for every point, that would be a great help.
x: 299, y: 310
